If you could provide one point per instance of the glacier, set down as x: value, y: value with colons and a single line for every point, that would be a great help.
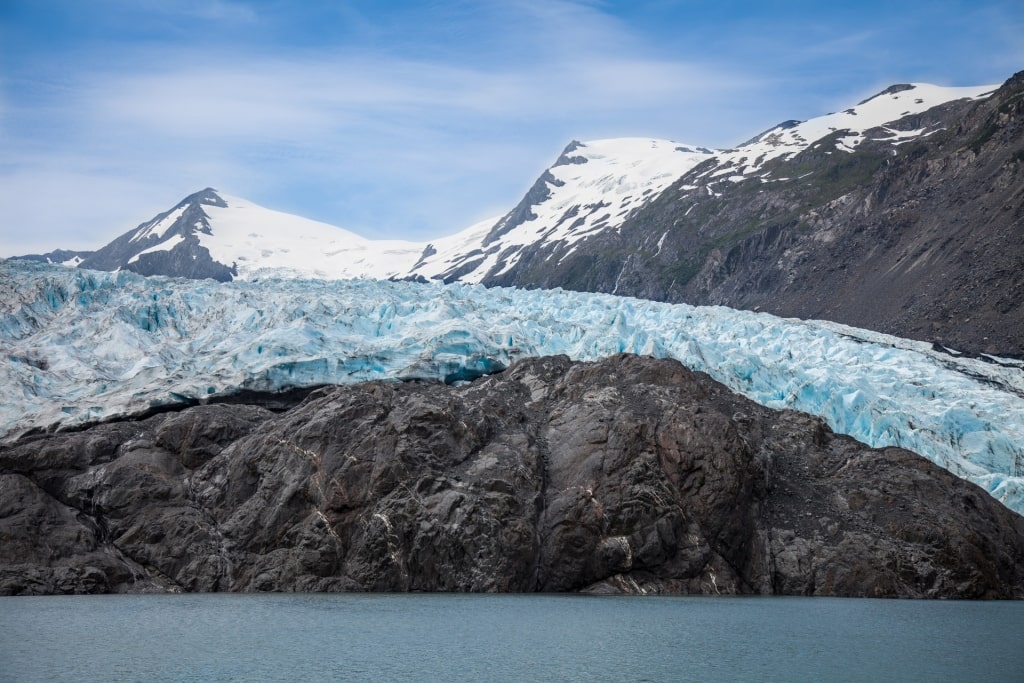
x: 79, y: 346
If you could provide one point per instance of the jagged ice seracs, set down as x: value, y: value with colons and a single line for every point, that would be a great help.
x: 79, y: 346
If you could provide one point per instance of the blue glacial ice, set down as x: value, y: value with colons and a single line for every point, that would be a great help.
x: 78, y: 346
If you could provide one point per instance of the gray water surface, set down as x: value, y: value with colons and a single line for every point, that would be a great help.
x: 283, y: 637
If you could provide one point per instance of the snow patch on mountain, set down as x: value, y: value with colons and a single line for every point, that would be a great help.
x: 254, y: 238
x: 167, y: 245
x: 851, y: 126
x: 85, y: 345
x: 592, y: 187
x: 159, y: 227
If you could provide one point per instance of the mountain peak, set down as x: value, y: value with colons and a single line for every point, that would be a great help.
x: 591, y: 187
x: 208, y: 196
x: 565, y: 159
x: 209, y: 234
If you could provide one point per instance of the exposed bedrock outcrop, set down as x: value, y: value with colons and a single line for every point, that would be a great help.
x: 628, y: 475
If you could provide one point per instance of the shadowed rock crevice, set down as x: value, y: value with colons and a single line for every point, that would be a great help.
x: 628, y: 475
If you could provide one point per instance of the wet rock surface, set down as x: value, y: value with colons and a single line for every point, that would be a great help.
x: 628, y: 475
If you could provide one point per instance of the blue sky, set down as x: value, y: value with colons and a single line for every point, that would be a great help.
x: 416, y: 119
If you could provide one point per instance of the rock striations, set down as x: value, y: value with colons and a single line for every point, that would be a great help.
x: 629, y: 475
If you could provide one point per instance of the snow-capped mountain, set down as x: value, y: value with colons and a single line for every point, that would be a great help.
x: 596, y: 187
x: 211, y: 234
x: 593, y: 188
x: 888, y: 117
x: 82, y: 346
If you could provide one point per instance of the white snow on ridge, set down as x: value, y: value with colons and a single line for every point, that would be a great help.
x: 619, y: 175
x: 887, y: 107
x: 159, y: 228
x: 452, y: 250
x: 80, y: 345
x: 167, y: 245
x: 603, y: 183
x: 254, y: 238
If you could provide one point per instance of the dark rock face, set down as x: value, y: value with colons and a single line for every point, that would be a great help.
x: 187, y: 258
x: 924, y: 240
x: 629, y: 475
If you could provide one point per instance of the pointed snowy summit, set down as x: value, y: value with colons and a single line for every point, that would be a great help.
x: 210, y: 234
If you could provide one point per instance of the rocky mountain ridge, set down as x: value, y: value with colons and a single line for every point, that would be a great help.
x: 631, y: 475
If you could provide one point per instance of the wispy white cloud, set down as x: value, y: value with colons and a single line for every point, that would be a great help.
x: 316, y: 96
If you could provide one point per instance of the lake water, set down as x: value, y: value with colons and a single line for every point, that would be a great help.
x: 505, y: 638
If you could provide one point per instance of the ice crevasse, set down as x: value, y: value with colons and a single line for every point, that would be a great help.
x: 78, y: 346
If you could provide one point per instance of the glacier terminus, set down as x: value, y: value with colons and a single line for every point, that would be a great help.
x: 79, y: 346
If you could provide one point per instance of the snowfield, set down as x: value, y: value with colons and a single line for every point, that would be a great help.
x: 82, y: 345
x: 850, y: 125
x: 253, y: 237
